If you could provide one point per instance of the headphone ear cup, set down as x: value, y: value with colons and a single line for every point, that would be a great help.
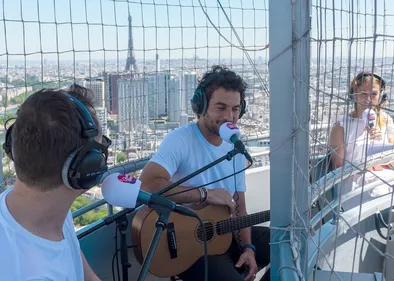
x: 204, y: 103
x: 195, y: 108
x: 243, y: 108
x: 196, y: 102
x: 66, y: 169
x: 87, y: 173
x: 351, y: 96
x: 7, y: 145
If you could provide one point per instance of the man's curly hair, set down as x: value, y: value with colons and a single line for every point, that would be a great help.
x: 222, y: 77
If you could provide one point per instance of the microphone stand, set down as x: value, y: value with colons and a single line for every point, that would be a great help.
x: 164, y: 212
x: 160, y: 225
x: 122, y: 224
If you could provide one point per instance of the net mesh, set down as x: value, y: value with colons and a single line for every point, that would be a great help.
x: 348, y: 37
x: 143, y: 78
x: 142, y: 60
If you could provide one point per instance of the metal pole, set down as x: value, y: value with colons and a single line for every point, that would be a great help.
x: 289, y: 22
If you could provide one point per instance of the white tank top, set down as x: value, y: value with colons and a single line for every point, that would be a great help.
x: 355, y: 140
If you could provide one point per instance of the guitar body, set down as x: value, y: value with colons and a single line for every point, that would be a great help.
x: 183, y: 235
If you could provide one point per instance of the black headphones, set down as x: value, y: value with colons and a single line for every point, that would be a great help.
x: 199, y: 101
x: 84, y: 167
x: 361, y: 75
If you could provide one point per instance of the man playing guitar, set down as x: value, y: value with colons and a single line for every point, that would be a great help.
x: 219, y: 98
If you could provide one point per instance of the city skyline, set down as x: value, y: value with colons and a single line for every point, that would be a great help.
x: 158, y: 27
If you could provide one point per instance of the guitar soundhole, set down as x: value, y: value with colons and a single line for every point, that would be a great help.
x: 209, y: 229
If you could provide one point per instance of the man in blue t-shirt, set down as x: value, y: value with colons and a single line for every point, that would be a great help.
x: 219, y: 98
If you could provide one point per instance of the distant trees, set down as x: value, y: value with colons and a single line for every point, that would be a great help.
x: 35, y: 83
x: 121, y: 157
x: 90, y: 216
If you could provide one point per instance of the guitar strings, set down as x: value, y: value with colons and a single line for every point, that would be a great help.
x: 212, y: 229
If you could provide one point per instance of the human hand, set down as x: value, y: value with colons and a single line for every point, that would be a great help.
x: 375, y: 133
x: 220, y: 196
x: 248, y: 259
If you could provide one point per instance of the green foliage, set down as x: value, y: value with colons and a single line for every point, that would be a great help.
x: 20, y: 98
x: 121, y: 157
x: 80, y: 202
x: 35, y: 83
x: 90, y: 216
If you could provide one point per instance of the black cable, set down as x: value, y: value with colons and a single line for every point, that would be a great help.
x: 203, y: 226
x: 377, y: 225
x: 381, y: 219
x: 237, y: 212
x: 201, y: 222
x: 115, y: 256
x: 205, y: 247
x: 197, y: 187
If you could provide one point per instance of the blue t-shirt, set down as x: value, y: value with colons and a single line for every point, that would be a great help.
x: 185, y: 150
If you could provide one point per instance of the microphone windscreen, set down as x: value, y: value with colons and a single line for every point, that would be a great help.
x: 227, y: 130
x: 121, y: 190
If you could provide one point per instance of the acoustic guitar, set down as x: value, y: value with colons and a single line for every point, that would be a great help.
x: 181, y: 243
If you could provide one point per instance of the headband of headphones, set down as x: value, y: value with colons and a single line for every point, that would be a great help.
x: 199, y: 101
x: 362, y: 76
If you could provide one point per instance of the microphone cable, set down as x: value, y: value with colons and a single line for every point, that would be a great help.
x: 115, y: 255
x: 237, y: 211
x: 204, y: 234
x: 201, y: 222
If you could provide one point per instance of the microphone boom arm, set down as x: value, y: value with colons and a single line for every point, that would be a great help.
x: 228, y: 157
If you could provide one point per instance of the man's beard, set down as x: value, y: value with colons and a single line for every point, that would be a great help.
x: 213, y: 127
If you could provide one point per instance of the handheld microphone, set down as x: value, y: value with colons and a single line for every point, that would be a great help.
x: 369, y: 117
x: 231, y: 134
x: 124, y: 191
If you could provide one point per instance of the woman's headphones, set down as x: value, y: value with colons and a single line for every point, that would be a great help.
x: 84, y: 167
x: 199, y: 101
x: 361, y: 76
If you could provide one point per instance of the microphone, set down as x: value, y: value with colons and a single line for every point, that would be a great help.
x: 231, y: 134
x: 369, y: 117
x: 123, y: 190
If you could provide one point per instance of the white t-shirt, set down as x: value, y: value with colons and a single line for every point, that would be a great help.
x: 27, y: 257
x: 185, y: 150
x: 355, y: 140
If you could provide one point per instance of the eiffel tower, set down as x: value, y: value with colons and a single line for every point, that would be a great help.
x: 131, y: 65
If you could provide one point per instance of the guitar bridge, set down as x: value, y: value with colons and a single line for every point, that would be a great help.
x: 171, y: 240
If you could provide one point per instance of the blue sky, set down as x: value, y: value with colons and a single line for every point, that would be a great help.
x: 151, y: 19
x: 337, y: 22
x: 107, y: 27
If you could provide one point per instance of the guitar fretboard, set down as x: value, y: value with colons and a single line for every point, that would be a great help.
x: 233, y: 224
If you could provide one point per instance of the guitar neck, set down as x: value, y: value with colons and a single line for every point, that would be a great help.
x: 233, y: 224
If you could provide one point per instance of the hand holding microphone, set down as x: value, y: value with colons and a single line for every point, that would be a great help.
x: 369, y: 117
x: 231, y: 134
